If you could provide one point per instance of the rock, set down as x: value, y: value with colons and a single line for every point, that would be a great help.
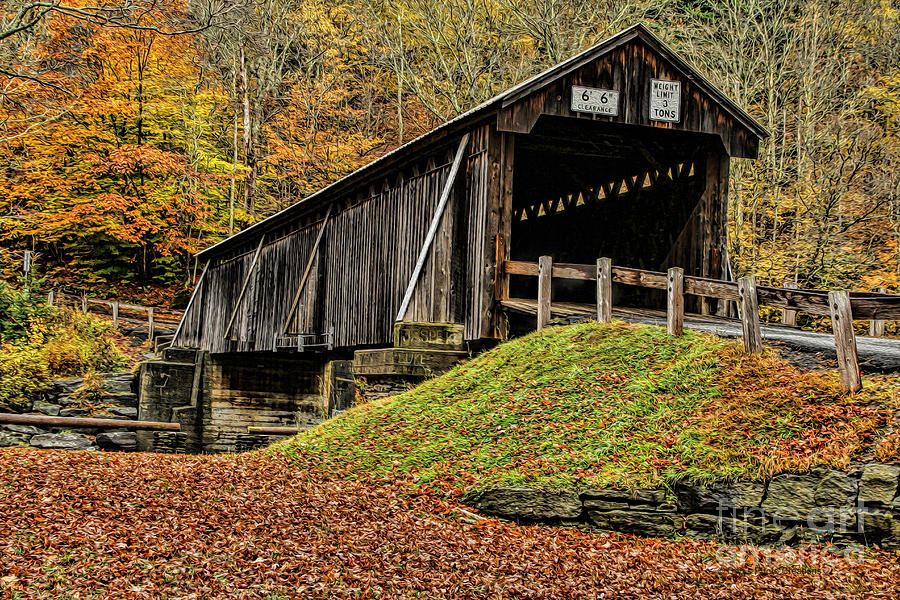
x: 65, y: 387
x: 604, y: 505
x: 527, y: 504
x: 121, y: 441
x: 639, y: 496
x: 124, y: 411
x: 791, y: 497
x: 46, y: 408
x: 74, y: 412
x: 645, y: 523
x: 832, y: 519
x: 117, y: 383
x: 728, y: 529
x: 878, y: 484
x: 10, y: 439
x: 129, y: 400
x: 883, y: 527
x: 747, y: 494
x: 836, y: 489
x: 24, y: 429
x: 61, y: 441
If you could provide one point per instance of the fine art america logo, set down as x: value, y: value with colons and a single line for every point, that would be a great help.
x: 834, y: 524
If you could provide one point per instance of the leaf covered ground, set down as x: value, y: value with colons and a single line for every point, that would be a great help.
x: 89, y: 525
x: 608, y: 405
x: 364, y: 505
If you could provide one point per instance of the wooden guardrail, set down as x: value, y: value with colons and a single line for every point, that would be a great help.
x: 842, y: 306
x: 153, y: 316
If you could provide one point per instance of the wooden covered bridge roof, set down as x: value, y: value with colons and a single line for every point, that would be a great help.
x: 739, y: 131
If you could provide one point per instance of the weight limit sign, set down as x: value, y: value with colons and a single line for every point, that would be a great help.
x: 665, y: 100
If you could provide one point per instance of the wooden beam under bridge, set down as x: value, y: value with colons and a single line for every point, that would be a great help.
x: 47, y: 421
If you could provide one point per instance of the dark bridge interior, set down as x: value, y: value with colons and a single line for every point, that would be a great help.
x: 586, y: 189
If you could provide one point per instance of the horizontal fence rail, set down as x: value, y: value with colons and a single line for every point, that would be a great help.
x: 121, y: 312
x: 841, y: 306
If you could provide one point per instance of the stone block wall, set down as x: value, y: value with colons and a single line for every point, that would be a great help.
x: 860, y: 506
x: 114, y: 398
x: 259, y: 390
x: 372, y: 387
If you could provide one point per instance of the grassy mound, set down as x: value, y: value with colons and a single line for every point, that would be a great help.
x: 607, y: 405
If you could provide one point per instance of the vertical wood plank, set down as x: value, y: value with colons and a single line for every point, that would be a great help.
x: 604, y: 290
x: 845, y: 340
x: 84, y: 303
x: 750, y: 315
x: 51, y: 297
x: 149, y: 322
x: 675, y: 301
x: 115, y: 313
x: 788, y: 316
x: 876, y: 326
x: 545, y: 281
x: 504, y: 235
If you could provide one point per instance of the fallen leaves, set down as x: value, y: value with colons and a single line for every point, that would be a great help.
x: 90, y: 525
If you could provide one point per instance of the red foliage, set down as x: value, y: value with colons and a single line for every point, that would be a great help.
x: 85, y: 525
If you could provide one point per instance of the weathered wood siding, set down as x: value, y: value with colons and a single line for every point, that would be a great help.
x: 362, y: 266
x: 629, y: 69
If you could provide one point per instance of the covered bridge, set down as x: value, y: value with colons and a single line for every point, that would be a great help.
x: 622, y: 151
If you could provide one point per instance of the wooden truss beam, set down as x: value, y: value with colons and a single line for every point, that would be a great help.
x: 237, y: 304
x: 432, y: 230
x: 306, y: 271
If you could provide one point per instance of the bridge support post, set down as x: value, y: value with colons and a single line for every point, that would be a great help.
x: 675, y: 301
x: 750, y: 315
x: 604, y: 290
x: 545, y: 281
x: 845, y: 340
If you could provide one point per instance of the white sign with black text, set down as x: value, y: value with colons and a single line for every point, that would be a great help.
x: 595, y: 101
x: 665, y: 100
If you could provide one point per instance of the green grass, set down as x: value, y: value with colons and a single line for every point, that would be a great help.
x: 599, y: 405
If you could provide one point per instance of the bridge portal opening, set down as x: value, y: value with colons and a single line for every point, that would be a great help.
x: 589, y: 189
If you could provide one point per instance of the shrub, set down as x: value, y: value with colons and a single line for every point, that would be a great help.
x: 86, y: 347
x: 24, y: 374
x: 19, y: 307
x: 39, y: 343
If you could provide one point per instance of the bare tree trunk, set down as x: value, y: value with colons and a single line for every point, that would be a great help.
x: 232, y: 192
x: 248, y: 138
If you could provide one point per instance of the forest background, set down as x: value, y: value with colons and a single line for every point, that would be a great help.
x: 134, y: 133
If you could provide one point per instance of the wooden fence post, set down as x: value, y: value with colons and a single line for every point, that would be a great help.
x: 845, y: 340
x: 51, y: 297
x: 876, y: 326
x: 115, y: 313
x: 84, y: 304
x: 750, y: 315
x: 545, y: 281
x: 788, y: 316
x: 604, y: 290
x: 149, y: 322
x: 675, y: 301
